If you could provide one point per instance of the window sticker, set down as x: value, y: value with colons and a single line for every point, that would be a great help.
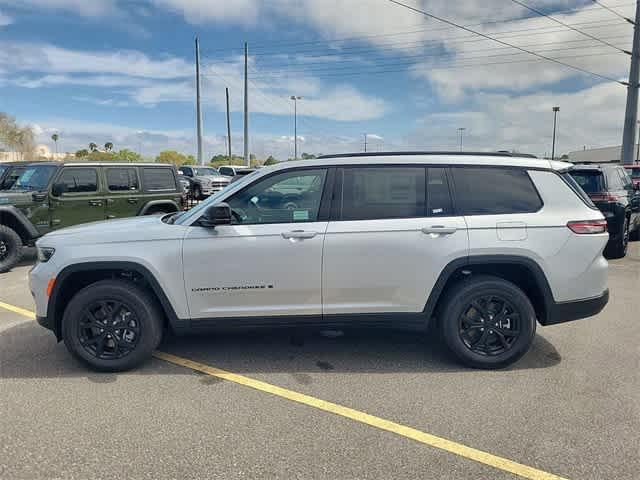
x: 300, y: 215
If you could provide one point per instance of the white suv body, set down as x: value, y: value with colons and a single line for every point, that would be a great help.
x: 350, y: 240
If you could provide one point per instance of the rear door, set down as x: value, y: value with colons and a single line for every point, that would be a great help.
x: 159, y: 183
x: 77, y: 197
x: 123, y: 191
x: 392, y: 232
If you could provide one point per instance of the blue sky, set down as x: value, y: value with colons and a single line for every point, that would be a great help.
x: 122, y: 71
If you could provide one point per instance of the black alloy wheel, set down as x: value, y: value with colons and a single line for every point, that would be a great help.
x: 489, y: 325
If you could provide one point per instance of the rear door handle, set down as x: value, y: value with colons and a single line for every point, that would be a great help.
x: 439, y: 229
x: 95, y: 203
x: 298, y: 234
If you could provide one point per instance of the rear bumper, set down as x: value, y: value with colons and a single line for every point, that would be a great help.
x: 567, y: 311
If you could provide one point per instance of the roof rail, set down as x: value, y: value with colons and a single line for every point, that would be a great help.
x: 386, y: 154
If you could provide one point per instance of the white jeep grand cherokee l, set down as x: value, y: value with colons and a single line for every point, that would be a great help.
x: 484, y: 246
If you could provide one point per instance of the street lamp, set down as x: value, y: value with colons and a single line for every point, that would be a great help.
x: 553, y: 146
x: 638, y: 148
x: 295, y: 125
x: 461, y: 131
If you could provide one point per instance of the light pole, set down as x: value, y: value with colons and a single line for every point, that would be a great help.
x: 295, y: 125
x: 461, y: 131
x: 553, y: 145
x: 638, y: 147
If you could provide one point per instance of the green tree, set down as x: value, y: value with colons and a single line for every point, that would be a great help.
x: 126, y: 155
x: 108, y: 147
x: 270, y: 161
x: 308, y: 156
x: 16, y: 138
x: 171, y: 156
x: 191, y: 160
x: 55, y: 138
x: 93, y: 147
x: 97, y: 156
x: 82, y: 153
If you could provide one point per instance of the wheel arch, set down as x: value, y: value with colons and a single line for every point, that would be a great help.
x: 522, y: 271
x: 167, y: 206
x: 75, y: 277
x: 13, y: 218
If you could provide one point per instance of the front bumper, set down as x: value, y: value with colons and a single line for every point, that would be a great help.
x: 567, y: 311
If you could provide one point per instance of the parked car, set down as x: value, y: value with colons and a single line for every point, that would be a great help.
x: 634, y: 173
x: 235, y: 172
x: 611, y: 190
x: 480, y: 246
x: 204, y: 181
x: 186, y: 188
x: 9, y: 173
x: 48, y: 196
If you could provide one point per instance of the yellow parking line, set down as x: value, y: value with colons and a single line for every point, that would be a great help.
x: 18, y: 310
x: 459, y: 449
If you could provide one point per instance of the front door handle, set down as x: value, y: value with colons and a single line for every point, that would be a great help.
x: 439, y: 229
x: 132, y: 200
x: 298, y: 234
x: 95, y: 203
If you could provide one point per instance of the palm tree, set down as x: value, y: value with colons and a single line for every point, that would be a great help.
x: 55, y: 138
x: 108, y: 147
x: 93, y: 147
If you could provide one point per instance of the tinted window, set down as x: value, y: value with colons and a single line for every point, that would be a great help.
x: 78, y: 180
x: 122, y: 179
x: 376, y: 193
x: 225, y: 171
x: 438, y: 196
x: 286, y: 197
x: 487, y: 191
x: 590, y: 181
x: 566, y: 176
x: 158, y: 179
x: 634, y: 172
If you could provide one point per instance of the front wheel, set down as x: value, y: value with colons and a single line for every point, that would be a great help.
x: 10, y: 248
x: 112, y: 325
x: 197, y: 193
x: 620, y: 247
x: 487, y: 322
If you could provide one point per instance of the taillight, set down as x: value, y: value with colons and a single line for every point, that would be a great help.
x: 587, y: 227
x: 605, y: 197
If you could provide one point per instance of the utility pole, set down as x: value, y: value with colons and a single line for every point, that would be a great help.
x: 638, y: 146
x: 553, y: 143
x: 247, y: 157
x: 461, y: 130
x: 365, y: 142
x: 198, y: 108
x: 228, y: 126
x: 295, y: 125
x: 631, y: 112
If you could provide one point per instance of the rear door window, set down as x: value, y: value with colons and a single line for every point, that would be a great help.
x: 122, y: 179
x: 438, y: 194
x: 381, y: 193
x: 158, y: 179
x: 494, y: 191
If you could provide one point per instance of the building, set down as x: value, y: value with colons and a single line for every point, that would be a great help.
x: 598, y: 155
x: 42, y: 152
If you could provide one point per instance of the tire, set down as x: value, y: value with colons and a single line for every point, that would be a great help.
x: 619, y: 249
x: 10, y: 248
x: 635, y: 235
x: 462, y: 325
x: 139, y: 335
x: 197, y: 193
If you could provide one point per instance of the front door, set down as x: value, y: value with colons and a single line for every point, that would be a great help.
x: 268, y: 261
x: 393, y: 234
x: 76, y: 197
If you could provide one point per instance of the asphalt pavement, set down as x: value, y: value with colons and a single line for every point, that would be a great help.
x: 570, y: 407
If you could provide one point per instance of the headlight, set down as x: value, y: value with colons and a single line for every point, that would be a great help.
x: 45, y: 253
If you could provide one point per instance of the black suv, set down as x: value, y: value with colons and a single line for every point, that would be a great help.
x: 612, y: 191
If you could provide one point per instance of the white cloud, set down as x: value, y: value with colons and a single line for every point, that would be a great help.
x: 86, y: 8
x: 221, y: 11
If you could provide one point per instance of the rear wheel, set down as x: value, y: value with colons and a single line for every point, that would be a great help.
x: 112, y: 325
x: 487, y: 322
x: 619, y: 248
x: 10, y: 248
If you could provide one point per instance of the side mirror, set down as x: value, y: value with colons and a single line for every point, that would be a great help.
x: 57, y: 189
x: 218, y: 214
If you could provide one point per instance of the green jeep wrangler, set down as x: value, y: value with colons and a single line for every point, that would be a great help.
x: 52, y: 195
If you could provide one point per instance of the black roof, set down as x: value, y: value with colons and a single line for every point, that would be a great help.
x: 395, y: 154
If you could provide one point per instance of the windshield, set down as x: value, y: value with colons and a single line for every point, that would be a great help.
x: 197, y: 211
x: 3, y: 168
x: 202, y: 171
x: 589, y: 181
x: 34, y: 178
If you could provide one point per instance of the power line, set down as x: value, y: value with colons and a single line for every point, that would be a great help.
x: 570, y: 27
x: 614, y: 11
x: 488, y: 37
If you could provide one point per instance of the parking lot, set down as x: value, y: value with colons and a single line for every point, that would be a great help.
x: 285, y: 404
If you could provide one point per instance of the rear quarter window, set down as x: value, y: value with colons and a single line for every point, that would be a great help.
x: 494, y: 191
x: 158, y: 179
